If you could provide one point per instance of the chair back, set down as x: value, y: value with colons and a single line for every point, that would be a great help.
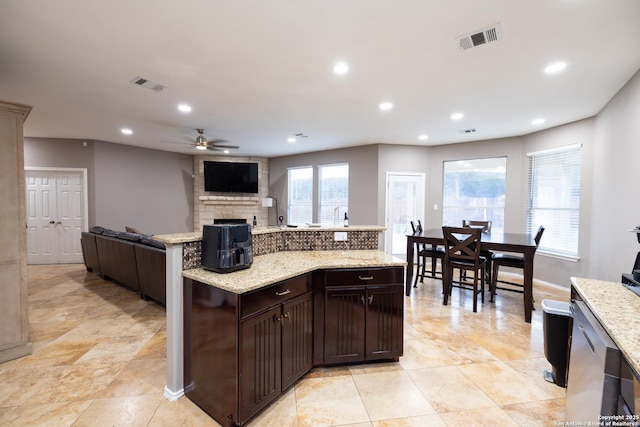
x: 486, y: 225
x: 416, y: 228
x: 539, y: 235
x: 413, y: 227
x: 462, y: 245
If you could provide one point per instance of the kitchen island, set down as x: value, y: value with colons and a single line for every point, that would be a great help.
x: 251, y: 334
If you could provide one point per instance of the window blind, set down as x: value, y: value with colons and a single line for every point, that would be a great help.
x: 554, y: 198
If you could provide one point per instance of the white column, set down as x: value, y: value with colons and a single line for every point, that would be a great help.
x: 175, y: 369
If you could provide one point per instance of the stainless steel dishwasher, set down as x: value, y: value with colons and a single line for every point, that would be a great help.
x: 594, y: 369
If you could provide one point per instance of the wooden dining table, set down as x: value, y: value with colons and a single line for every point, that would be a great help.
x: 522, y: 243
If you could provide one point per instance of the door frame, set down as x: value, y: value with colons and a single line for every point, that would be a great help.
x: 389, y: 233
x: 85, y: 189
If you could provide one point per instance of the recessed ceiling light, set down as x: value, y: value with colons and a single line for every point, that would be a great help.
x: 556, y: 67
x: 537, y: 121
x: 457, y: 116
x: 423, y: 137
x: 226, y: 151
x: 341, y: 68
x: 184, y: 108
x: 291, y: 139
x: 386, y: 106
x: 126, y: 131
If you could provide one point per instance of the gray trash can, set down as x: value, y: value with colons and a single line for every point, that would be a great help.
x: 557, y: 323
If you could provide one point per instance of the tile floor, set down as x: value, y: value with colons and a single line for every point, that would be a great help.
x: 99, y: 360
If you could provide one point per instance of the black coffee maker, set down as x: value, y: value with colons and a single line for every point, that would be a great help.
x: 226, y: 247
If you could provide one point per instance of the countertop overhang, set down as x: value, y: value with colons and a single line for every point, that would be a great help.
x: 195, y: 236
x: 618, y: 310
x: 279, y: 266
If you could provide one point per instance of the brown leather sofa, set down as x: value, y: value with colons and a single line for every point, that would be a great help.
x: 134, y: 260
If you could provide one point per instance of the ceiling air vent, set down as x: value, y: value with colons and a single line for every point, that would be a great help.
x: 467, y: 130
x: 148, y: 84
x: 478, y: 38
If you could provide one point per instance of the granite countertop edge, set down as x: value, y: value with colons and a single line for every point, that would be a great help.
x: 618, y: 310
x: 276, y: 267
x: 195, y: 236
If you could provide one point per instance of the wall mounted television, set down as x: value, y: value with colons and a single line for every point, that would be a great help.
x: 231, y: 177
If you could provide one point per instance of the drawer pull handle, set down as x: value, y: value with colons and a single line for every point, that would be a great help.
x: 285, y: 292
x: 365, y: 277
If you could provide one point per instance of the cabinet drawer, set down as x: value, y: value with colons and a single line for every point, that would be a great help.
x: 364, y: 276
x: 271, y: 295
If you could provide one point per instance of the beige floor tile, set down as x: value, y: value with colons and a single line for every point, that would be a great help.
x: 487, y: 417
x: 391, y: 395
x: 140, y: 376
x: 503, y: 384
x: 281, y: 413
x: 46, y: 415
x: 131, y: 411
x: 156, y: 347
x: 424, y: 421
x: 533, y: 370
x: 460, y: 349
x: 110, y: 349
x: 422, y: 353
x: 541, y: 413
x: 447, y: 389
x: 329, y: 401
x: 181, y: 412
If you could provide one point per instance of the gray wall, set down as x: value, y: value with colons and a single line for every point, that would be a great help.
x: 363, y: 179
x: 127, y: 186
x: 615, y: 205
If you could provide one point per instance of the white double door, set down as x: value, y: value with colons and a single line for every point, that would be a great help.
x: 56, y: 215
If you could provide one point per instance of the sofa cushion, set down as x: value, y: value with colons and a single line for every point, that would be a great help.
x: 97, y: 230
x: 131, y: 237
x: 149, y: 241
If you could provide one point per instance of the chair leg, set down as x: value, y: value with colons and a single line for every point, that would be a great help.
x: 475, y: 292
x: 415, y: 279
x: 483, y: 278
x: 494, y: 281
x: 424, y: 265
x: 445, y: 286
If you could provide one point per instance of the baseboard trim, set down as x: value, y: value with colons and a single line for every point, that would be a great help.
x: 173, y: 395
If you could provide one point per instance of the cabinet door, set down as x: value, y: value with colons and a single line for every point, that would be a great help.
x: 260, y: 366
x: 385, y: 308
x: 344, y: 320
x: 297, y: 338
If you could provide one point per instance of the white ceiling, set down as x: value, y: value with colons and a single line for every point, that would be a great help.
x: 258, y: 71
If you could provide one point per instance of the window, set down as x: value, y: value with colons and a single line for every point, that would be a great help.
x: 300, y: 191
x: 333, y: 186
x: 474, y: 190
x: 554, y: 198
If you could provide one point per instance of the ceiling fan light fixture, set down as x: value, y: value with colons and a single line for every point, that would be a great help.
x: 201, y: 146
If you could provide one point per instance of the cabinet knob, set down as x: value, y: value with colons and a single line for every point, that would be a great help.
x: 362, y: 300
x: 281, y: 293
x: 370, y: 299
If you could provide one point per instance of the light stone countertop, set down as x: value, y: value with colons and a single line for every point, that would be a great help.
x: 275, y: 267
x: 196, y: 236
x: 618, y: 310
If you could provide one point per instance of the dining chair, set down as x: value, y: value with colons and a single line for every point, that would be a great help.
x: 509, y: 260
x: 462, y: 251
x: 435, y: 253
x: 486, y: 229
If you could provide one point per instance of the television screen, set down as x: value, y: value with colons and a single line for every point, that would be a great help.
x: 231, y: 177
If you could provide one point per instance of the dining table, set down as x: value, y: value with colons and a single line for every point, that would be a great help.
x: 522, y: 243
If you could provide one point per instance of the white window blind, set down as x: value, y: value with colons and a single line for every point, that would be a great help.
x: 474, y: 190
x: 333, y: 186
x: 300, y: 194
x: 554, y: 198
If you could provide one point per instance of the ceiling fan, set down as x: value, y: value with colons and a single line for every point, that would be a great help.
x: 214, y: 145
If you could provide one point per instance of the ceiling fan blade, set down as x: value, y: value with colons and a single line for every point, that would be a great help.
x: 234, y: 147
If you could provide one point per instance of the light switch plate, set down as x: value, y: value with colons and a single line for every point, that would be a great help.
x: 340, y: 236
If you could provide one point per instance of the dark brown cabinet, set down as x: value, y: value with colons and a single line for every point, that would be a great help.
x: 242, y: 350
x: 363, y: 311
